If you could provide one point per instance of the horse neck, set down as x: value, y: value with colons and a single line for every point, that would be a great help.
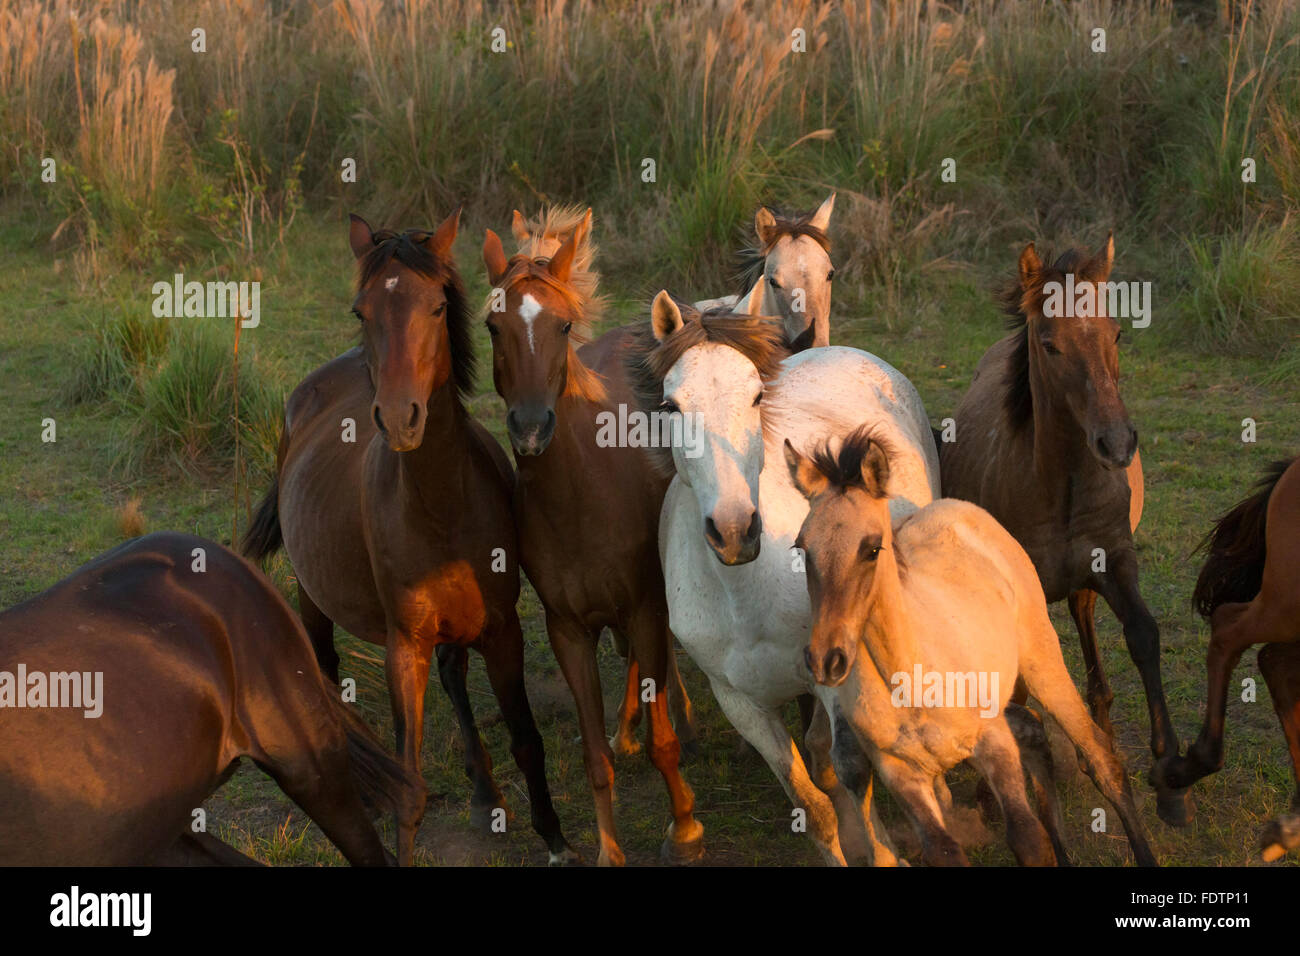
x: 567, y: 461
x: 1060, y: 447
x: 890, y: 638
x: 440, y: 460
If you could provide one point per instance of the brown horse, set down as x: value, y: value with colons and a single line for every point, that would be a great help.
x: 1247, y: 589
x: 540, y: 238
x: 394, y: 506
x: 588, y: 514
x: 1044, y: 443
x: 185, y: 659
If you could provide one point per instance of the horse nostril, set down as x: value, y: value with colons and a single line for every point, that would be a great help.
x: 711, y: 532
x: 807, y: 658
x: 415, y: 415
x: 837, y: 664
x: 379, y: 421
x: 755, y: 527
x: 1103, y: 449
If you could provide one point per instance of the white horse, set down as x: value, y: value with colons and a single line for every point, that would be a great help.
x: 925, y: 625
x: 737, y: 600
x: 792, y: 268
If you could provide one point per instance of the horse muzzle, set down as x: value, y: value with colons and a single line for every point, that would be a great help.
x: 732, y: 542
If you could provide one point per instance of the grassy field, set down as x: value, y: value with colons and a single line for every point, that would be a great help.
x: 64, y: 504
x: 231, y: 163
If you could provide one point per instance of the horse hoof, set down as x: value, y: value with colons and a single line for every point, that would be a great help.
x: 612, y: 857
x: 625, y: 746
x: 684, y: 853
x: 1175, y: 807
x: 485, y: 817
x: 567, y: 856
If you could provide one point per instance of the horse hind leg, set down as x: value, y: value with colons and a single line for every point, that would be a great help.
x: 1036, y: 756
x: 1280, y: 665
x: 321, y: 631
x: 1083, y: 609
x: 998, y: 759
x: 453, y: 669
x: 679, y: 705
x: 624, y: 742
x: 1043, y: 670
x: 915, y: 789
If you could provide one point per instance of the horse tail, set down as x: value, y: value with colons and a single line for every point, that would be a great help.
x: 264, y: 537
x: 384, y: 784
x: 1236, y: 547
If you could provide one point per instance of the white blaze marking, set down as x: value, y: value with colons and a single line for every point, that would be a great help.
x: 529, y: 309
x: 390, y: 284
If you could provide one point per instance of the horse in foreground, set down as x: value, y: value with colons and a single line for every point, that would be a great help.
x: 735, y: 595
x: 942, y: 591
x: 393, y: 504
x: 202, y: 664
x: 1044, y: 444
x: 587, y: 508
x: 1248, y: 590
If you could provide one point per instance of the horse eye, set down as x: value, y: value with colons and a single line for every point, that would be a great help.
x: 1117, y: 336
x: 830, y: 275
x: 440, y: 309
x: 758, y: 398
x: 773, y: 283
x: 669, y: 406
x: 869, y: 550
x: 360, y: 317
x: 567, y: 327
x: 492, y: 330
x: 1050, y: 349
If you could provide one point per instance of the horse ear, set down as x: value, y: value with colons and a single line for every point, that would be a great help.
x: 583, y: 229
x: 1104, y: 260
x: 562, y: 262
x: 765, y: 226
x: 752, y: 304
x: 875, y: 471
x: 494, y: 257
x: 519, y: 227
x: 822, y: 217
x: 805, y: 475
x: 440, y: 242
x: 360, y: 235
x: 665, y: 317
x: 1030, y: 266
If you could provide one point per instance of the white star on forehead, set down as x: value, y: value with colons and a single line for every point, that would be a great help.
x: 529, y: 309
x: 390, y: 284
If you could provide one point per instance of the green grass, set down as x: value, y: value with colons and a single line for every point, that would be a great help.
x: 62, y: 500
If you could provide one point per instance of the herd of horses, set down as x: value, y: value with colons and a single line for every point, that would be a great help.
x: 819, y: 540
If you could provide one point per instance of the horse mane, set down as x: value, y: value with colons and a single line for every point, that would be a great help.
x: 843, y: 469
x: 557, y: 222
x: 760, y: 339
x: 1234, y: 570
x: 792, y: 224
x: 1022, y: 305
x: 581, y: 381
x: 410, y: 250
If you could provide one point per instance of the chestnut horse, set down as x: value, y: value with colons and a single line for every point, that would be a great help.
x: 198, y: 662
x: 1043, y: 443
x: 587, y: 511
x: 394, y: 507
x: 1248, y: 590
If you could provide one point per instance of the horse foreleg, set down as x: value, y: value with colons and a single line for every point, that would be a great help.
x: 575, y: 650
x: 406, y: 666
x: 1036, y: 757
x: 998, y: 759
x: 679, y: 704
x: 503, y: 656
x: 915, y: 789
x: 854, y: 780
x: 1119, y: 586
x: 1083, y: 609
x: 764, y: 730
x: 1280, y: 665
x: 321, y: 631
x: 453, y: 667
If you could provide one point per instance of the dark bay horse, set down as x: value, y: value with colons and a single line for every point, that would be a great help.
x: 1247, y: 589
x: 588, y: 514
x: 202, y: 663
x: 394, y: 507
x: 1043, y: 442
